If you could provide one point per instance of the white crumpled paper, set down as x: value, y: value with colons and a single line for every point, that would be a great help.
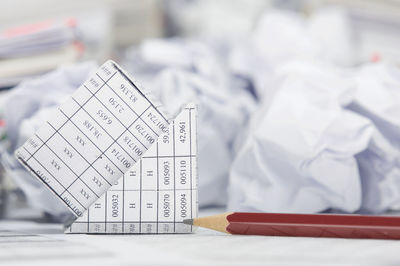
x: 327, y: 141
x: 285, y: 125
x: 378, y: 99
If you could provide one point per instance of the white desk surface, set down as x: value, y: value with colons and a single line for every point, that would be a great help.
x: 23, y: 243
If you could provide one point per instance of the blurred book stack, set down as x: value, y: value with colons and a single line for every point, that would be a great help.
x: 33, y: 49
x: 375, y: 25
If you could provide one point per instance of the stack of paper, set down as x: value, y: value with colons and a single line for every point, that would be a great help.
x: 32, y: 49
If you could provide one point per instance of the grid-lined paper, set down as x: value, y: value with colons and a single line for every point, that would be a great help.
x: 96, y: 136
x: 156, y: 194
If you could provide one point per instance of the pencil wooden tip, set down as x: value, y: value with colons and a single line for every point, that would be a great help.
x: 188, y: 221
x: 216, y: 222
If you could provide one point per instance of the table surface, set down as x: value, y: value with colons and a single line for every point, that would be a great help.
x: 45, y: 244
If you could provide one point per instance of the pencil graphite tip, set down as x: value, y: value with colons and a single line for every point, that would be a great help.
x: 188, y: 221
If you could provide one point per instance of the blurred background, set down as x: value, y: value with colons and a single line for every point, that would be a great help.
x: 232, y: 57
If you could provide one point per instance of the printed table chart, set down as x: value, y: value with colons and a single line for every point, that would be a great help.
x: 94, y: 138
x: 156, y: 194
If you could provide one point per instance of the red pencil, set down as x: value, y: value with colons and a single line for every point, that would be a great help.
x: 305, y: 225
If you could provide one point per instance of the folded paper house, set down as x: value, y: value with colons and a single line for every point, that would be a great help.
x: 157, y: 193
x: 89, y: 154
